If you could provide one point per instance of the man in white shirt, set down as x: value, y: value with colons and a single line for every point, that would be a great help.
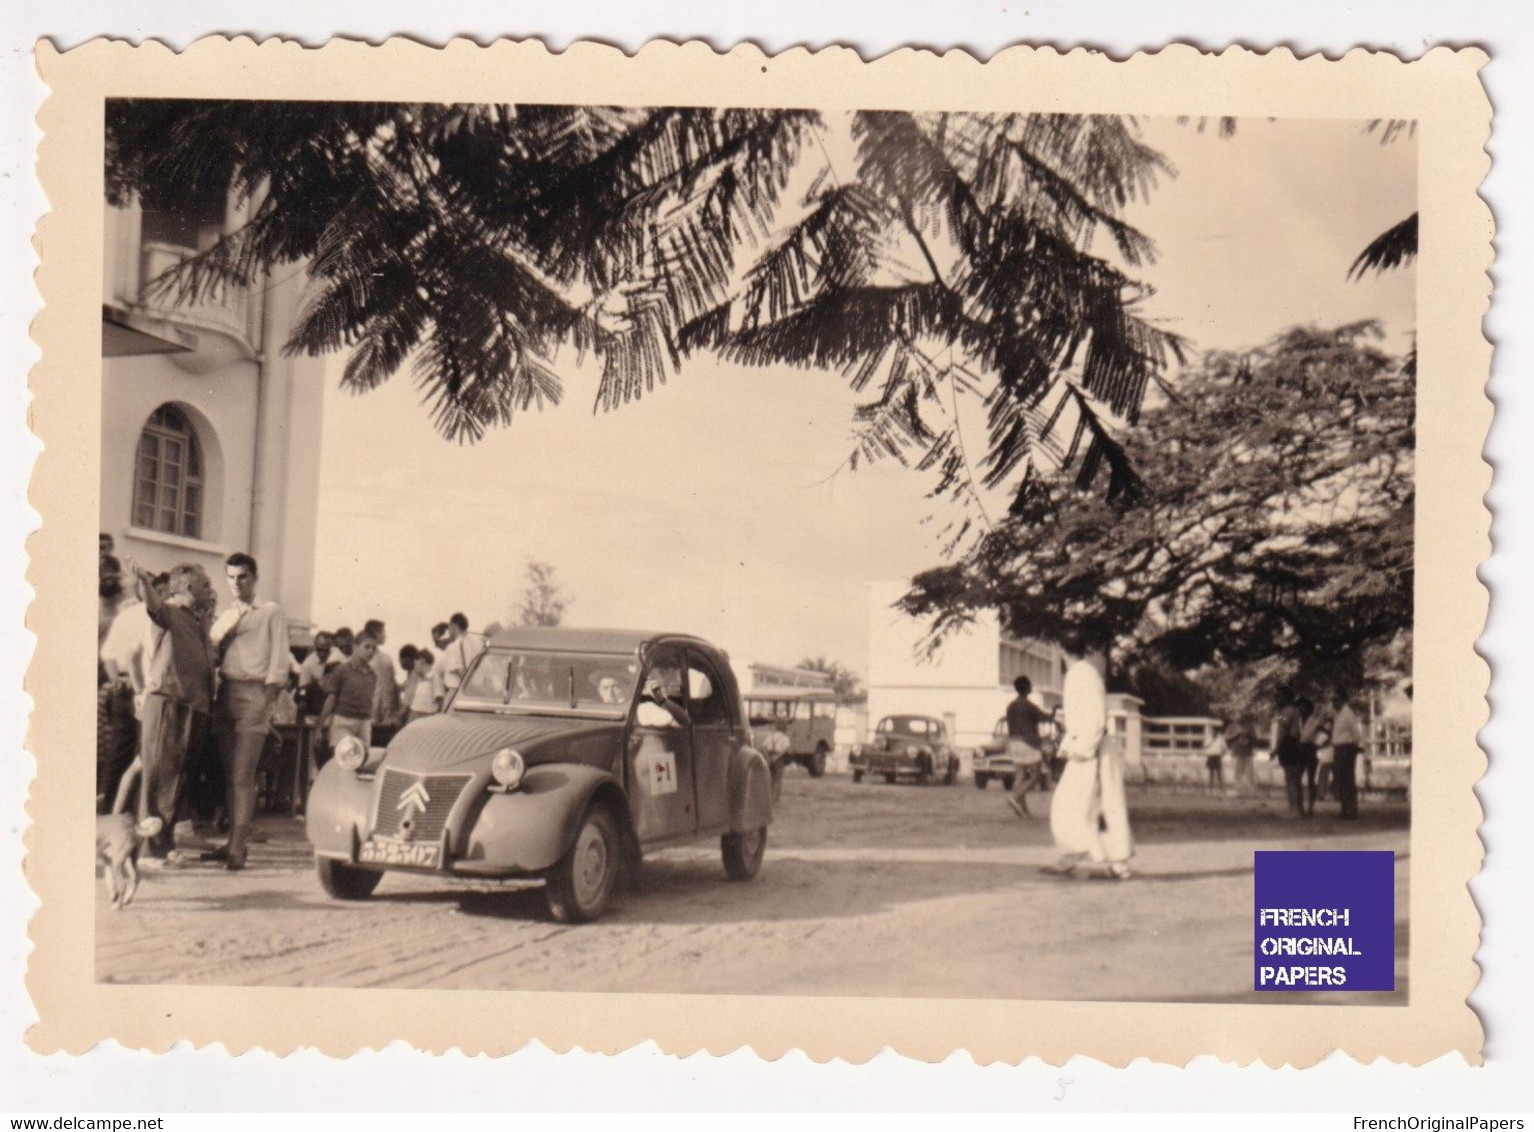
x: 123, y: 656
x: 1347, y: 741
x: 1092, y: 785
x: 461, y: 648
x: 253, y: 658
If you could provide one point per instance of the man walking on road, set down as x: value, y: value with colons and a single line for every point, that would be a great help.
x: 1092, y: 787
x: 178, y: 692
x: 252, y: 641
x: 1025, y: 747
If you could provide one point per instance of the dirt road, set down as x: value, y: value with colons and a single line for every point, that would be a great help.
x: 867, y: 890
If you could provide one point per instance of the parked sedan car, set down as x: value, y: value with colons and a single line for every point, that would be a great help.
x: 565, y: 754
x: 990, y: 760
x: 907, y: 746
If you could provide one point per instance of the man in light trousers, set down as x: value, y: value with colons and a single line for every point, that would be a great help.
x: 1088, y: 816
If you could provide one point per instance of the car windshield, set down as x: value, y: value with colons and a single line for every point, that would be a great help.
x: 520, y: 680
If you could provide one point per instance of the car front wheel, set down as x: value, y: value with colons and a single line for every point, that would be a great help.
x: 743, y: 853
x: 857, y: 776
x: 345, y: 882
x: 581, y: 884
x: 982, y: 780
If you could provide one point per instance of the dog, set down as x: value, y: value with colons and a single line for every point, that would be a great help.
x: 118, y: 840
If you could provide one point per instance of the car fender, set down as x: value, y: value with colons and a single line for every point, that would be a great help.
x: 750, y: 791
x: 336, y: 812
x: 530, y: 828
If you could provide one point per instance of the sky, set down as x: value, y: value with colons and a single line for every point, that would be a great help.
x: 721, y: 504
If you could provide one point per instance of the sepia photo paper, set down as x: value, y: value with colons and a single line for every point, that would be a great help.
x: 788, y: 551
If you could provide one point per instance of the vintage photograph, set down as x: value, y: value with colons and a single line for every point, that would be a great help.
x: 746, y: 551
x: 790, y: 551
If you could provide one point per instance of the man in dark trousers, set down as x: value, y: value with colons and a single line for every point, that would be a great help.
x: 1025, y: 746
x: 1288, y: 749
x: 252, y: 641
x: 178, y: 692
x: 1347, y: 741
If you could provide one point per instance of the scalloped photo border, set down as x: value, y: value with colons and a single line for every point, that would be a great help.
x: 1441, y: 90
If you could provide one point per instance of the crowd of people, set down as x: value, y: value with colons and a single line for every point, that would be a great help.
x: 189, y: 697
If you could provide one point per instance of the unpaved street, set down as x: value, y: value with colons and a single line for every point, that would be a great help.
x: 867, y: 890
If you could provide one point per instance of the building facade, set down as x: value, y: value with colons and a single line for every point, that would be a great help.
x: 967, y: 681
x: 210, y: 436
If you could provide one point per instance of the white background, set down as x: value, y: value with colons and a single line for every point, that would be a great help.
x: 112, y: 1080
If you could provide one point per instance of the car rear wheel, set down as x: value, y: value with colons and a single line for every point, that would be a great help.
x: 857, y: 776
x: 1008, y: 781
x: 346, y: 882
x: 817, y: 762
x: 952, y: 774
x: 924, y: 772
x: 982, y: 780
x: 581, y: 884
x: 742, y: 853
x: 889, y: 778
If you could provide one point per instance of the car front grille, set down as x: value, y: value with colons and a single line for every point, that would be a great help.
x: 442, y: 792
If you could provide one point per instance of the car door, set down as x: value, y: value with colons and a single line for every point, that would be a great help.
x: 713, y: 741
x: 660, y: 754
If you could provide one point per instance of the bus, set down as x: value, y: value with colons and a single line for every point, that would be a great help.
x: 793, y: 725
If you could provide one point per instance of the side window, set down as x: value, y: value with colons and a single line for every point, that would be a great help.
x: 802, y: 710
x: 705, y: 694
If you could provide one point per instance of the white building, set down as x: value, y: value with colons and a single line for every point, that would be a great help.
x: 968, y: 680
x: 210, y: 435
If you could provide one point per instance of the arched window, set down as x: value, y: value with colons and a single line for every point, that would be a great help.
x: 168, y: 478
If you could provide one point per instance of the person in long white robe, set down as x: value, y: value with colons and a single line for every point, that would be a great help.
x: 1092, y: 786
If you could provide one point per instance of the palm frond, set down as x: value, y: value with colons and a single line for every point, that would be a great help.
x: 1390, y: 249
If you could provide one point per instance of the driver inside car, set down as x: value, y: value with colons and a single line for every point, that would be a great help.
x: 660, y: 704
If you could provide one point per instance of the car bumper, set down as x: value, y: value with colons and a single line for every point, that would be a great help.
x: 488, y: 834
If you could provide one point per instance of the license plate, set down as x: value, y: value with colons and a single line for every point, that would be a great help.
x: 406, y: 854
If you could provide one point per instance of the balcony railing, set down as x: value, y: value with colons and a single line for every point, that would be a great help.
x: 236, y: 314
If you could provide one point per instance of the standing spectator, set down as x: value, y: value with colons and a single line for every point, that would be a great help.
x: 345, y: 643
x: 460, y: 650
x: 385, y: 713
x: 178, y: 693
x: 1238, y: 739
x: 1088, y: 815
x: 1347, y: 740
x: 111, y: 597
x: 1287, y: 749
x: 441, y: 635
x: 252, y: 641
x: 1024, y: 744
x: 420, y: 697
x: 321, y: 659
x: 1312, y: 738
x: 123, y: 657
x: 1214, y: 761
x: 349, y: 695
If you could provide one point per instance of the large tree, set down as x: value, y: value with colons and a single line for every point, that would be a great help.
x: 924, y: 256
x: 1271, y: 522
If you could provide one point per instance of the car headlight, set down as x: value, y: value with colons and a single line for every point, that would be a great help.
x: 351, y: 752
x: 507, y: 768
